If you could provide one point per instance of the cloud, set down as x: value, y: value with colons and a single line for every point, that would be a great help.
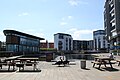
x: 70, y: 17
x: 24, y: 14
x: 65, y: 20
x: 76, y: 2
x: 63, y: 23
x: 81, y: 34
x: 73, y: 2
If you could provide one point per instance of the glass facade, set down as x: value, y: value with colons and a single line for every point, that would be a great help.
x: 21, y: 42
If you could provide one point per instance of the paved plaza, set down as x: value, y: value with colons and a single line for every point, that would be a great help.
x: 70, y: 72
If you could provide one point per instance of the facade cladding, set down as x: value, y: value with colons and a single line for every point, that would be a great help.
x: 112, y: 22
x: 63, y: 41
x: 100, y: 41
x: 82, y: 45
x: 21, y: 42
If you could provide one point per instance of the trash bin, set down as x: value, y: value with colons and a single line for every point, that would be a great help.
x: 83, y: 64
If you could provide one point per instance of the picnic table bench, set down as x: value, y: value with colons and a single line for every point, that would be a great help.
x: 102, y: 61
x: 27, y: 62
x: 8, y: 61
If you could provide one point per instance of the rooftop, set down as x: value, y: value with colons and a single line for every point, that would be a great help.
x: 21, y: 33
x: 62, y: 34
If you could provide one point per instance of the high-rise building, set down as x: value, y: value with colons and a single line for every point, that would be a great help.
x: 100, y: 41
x: 112, y: 22
x: 63, y: 41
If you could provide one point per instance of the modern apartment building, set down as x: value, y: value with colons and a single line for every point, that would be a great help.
x: 63, y: 41
x: 112, y: 22
x: 100, y: 41
x: 82, y: 45
x: 19, y: 42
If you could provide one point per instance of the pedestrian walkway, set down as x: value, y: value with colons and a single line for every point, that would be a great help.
x: 70, y: 72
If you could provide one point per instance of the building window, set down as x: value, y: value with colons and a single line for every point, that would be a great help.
x: 60, y: 36
x: 60, y: 45
x: 69, y: 44
x: 99, y: 43
x: 66, y: 48
x: 104, y: 38
x: 66, y: 39
x: 11, y: 47
x: 95, y: 44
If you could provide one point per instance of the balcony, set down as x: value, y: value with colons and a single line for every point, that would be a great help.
x: 111, y: 8
x: 112, y: 17
x: 113, y: 27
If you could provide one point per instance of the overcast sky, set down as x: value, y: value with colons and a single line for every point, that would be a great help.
x: 44, y: 18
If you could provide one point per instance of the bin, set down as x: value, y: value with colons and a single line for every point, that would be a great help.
x: 83, y: 64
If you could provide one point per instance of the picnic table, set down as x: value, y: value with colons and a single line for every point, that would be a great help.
x: 9, y: 61
x: 103, y: 60
x: 27, y: 62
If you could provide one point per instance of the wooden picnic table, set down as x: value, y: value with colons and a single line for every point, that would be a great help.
x: 103, y: 60
x: 9, y: 61
x: 27, y: 62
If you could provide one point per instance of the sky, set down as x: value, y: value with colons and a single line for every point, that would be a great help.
x: 44, y: 18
